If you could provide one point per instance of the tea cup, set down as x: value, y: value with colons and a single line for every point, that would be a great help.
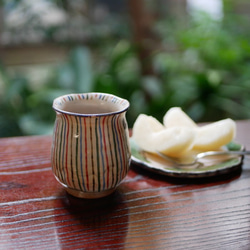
x: 90, y: 152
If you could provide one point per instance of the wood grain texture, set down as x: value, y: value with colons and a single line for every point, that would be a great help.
x: 146, y: 212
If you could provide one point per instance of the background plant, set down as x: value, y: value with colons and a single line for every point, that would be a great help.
x: 201, y: 65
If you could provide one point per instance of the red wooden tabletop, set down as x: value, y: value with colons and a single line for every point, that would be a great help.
x: 147, y: 211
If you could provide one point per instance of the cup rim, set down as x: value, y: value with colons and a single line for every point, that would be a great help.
x: 90, y: 96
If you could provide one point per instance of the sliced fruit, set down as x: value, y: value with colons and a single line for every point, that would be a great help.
x: 146, y: 123
x: 175, y: 141
x: 150, y: 135
x: 175, y: 117
x: 143, y: 129
x: 215, y: 135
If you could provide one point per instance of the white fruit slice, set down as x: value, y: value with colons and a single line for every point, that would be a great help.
x: 175, y: 117
x: 150, y: 135
x: 215, y: 135
x: 143, y: 129
x: 148, y: 124
x: 175, y: 141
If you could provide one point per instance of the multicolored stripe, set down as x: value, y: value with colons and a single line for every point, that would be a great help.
x: 90, y: 153
x: 59, y: 102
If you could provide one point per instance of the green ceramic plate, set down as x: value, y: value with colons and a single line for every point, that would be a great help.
x: 207, y: 166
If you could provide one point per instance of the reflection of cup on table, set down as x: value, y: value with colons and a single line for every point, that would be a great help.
x: 90, y: 149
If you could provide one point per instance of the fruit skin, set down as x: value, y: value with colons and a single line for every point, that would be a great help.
x: 176, y: 117
x: 215, y: 135
x: 150, y: 135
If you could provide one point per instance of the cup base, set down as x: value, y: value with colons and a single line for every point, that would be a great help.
x: 89, y: 195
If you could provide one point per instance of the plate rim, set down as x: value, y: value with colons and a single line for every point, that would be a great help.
x: 190, y: 174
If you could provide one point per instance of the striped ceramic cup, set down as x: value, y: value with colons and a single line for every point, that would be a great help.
x: 90, y: 149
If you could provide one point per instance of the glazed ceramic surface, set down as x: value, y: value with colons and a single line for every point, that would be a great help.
x: 90, y: 149
x: 206, y: 167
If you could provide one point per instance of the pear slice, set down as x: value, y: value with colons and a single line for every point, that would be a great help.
x: 174, y: 141
x: 214, y: 135
x: 175, y: 117
x: 150, y: 135
x: 144, y: 127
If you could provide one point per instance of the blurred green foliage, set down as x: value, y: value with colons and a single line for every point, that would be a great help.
x: 208, y: 72
x: 200, y: 65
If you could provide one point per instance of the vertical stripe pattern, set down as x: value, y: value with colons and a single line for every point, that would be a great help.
x: 90, y: 153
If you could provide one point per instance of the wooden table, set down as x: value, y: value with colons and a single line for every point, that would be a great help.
x: 146, y: 212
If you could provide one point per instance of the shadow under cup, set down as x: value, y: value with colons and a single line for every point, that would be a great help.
x: 90, y: 152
